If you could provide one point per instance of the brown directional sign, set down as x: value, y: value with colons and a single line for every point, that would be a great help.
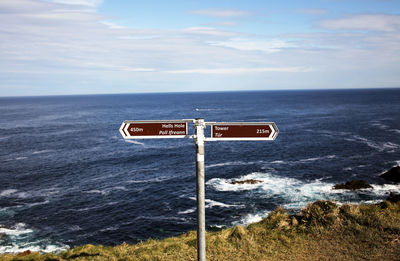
x: 153, y: 129
x: 244, y: 131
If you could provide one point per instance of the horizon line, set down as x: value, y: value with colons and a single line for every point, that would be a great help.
x: 219, y: 91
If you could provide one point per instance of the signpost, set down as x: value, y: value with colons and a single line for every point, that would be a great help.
x: 248, y: 131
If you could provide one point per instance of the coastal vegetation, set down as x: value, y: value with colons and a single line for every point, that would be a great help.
x: 323, y: 230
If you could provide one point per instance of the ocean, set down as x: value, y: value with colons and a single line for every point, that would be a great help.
x: 68, y: 178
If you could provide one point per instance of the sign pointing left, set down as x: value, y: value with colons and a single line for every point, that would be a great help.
x: 153, y: 129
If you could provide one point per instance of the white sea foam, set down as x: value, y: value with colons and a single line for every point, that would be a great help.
x: 379, y: 146
x: 112, y: 228
x: 390, y: 145
x: 102, y: 192
x: 20, y: 158
x: 218, y: 226
x: 268, y: 182
x: 158, y: 179
x: 188, y: 211
x: 383, y: 190
x: 75, y: 228
x: 318, y: 158
x: 212, y: 203
x: 229, y: 163
x: 119, y: 188
x: 277, y: 162
x: 47, y: 193
x: 251, y: 218
x: 380, y: 125
x: 136, y: 142
x: 37, y: 203
x: 34, y: 247
x: 295, y: 192
x: 41, y: 151
x: 16, y: 230
x: 7, y: 192
x: 107, y: 190
x: 209, y: 203
x: 205, y: 109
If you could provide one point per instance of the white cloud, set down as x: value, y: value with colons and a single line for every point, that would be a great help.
x: 221, y: 12
x: 208, y: 31
x: 113, y: 25
x: 89, y: 3
x: 270, y: 46
x: 239, y: 70
x: 368, y: 22
x: 225, y: 23
x: 313, y: 11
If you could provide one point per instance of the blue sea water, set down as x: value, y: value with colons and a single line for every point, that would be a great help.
x: 68, y: 178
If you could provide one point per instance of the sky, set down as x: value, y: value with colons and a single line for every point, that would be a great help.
x: 56, y: 47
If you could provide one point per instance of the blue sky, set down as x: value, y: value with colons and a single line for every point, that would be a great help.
x: 118, y: 46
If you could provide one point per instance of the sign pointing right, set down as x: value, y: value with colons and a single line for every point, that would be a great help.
x: 243, y: 131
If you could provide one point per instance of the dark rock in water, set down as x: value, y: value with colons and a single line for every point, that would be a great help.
x: 247, y: 181
x: 392, y: 175
x: 393, y: 197
x: 353, y: 185
x: 25, y: 253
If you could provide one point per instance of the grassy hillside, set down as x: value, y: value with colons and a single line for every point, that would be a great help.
x: 322, y: 231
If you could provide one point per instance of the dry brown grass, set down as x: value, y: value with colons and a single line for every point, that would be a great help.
x: 322, y: 231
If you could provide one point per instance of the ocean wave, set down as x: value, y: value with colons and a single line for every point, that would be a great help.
x: 243, y: 163
x: 296, y: 193
x: 153, y: 180
x: 41, y: 151
x: 278, y: 162
x: 106, y: 191
x: 136, y: 142
x: 188, y: 211
x: 37, y: 246
x: 7, y: 192
x: 14, y: 193
x: 380, y: 125
x: 159, y: 218
x: 251, y: 218
x: 229, y: 163
x: 306, y: 160
x: 205, y: 109
x: 212, y: 203
x: 209, y: 203
x: 112, y: 228
x: 379, y: 146
x: 268, y: 182
x: 16, y: 230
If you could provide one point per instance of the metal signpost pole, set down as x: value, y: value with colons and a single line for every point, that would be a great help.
x: 201, y: 219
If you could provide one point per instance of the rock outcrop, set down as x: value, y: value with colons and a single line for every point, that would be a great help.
x: 392, y: 175
x: 247, y: 181
x: 393, y: 197
x: 353, y: 185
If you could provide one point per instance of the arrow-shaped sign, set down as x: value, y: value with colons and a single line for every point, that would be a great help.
x: 243, y: 131
x: 153, y: 129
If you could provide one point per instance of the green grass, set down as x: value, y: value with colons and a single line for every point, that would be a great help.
x: 321, y: 231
